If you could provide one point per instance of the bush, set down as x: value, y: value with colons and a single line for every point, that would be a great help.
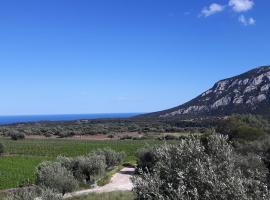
x: 191, y: 170
x: 17, y: 136
x: 48, y: 194
x: 54, y: 176
x: 112, y: 158
x: 65, y: 162
x: 146, y: 159
x: 23, y: 194
x: 2, y: 148
x: 89, y: 167
x: 243, y: 127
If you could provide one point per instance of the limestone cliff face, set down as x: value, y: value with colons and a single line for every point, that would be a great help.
x: 246, y: 93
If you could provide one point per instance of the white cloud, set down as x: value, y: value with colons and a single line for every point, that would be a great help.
x: 246, y: 21
x: 241, y: 5
x: 212, y: 9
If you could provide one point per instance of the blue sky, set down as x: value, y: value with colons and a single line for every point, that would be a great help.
x: 104, y: 56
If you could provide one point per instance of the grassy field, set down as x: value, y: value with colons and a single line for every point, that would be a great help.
x: 107, y: 196
x: 25, y: 155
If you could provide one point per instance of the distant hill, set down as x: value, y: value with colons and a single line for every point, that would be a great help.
x: 248, y: 93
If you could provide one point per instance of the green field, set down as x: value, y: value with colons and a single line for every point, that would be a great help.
x: 25, y: 155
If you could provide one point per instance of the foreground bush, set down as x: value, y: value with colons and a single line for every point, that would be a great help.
x: 56, y: 177
x: 146, y: 159
x: 193, y: 171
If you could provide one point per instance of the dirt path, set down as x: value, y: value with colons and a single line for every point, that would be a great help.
x: 119, y: 182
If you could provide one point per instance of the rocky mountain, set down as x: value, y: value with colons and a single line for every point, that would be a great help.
x: 242, y: 94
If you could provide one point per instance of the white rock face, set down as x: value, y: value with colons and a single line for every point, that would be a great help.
x: 243, y: 82
x: 207, y: 92
x: 253, y: 100
x: 233, y: 83
x: 265, y: 87
x: 238, y: 100
x: 193, y: 109
x: 261, y: 97
x: 222, y: 102
x: 258, y: 80
x: 267, y: 75
x: 246, y: 81
x: 250, y: 88
x: 221, y: 85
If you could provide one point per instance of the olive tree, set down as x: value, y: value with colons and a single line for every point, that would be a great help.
x: 15, y: 135
x: 89, y: 167
x: 195, y: 171
x: 53, y: 175
x: 112, y: 157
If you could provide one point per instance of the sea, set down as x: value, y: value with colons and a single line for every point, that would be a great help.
x: 67, y: 117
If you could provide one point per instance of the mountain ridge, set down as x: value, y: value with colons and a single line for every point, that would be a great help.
x: 246, y: 93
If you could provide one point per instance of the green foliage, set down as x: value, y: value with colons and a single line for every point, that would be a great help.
x: 23, y: 194
x: 147, y: 158
x: 244, y: 127
x: 85, y: 167
x: 49, y: 194
x: 52, y: 175
x: 195, y: 171
x: 17, y: 170
x: 17, y: 135
x: 112, y: 158
x: 27, y: 154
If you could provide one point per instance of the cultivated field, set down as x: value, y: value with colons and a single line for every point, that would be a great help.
x: 17, y: 167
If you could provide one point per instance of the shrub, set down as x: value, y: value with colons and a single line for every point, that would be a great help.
x: 65, y: 162
x: 243, y: 127
x: 2, y: 148
x: 17, y: 136
x: 48, y: 194
x: 54, y: 176
x: 23, y: 194
x: 112, y: 158
x: 193, y: 171
x: 89, y: 167
x: 146, y: 159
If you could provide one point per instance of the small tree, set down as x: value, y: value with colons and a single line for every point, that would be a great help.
x: 112, y: 157
x: 17, y: 135
x: 146, y: 159
x: 88, y: 167
x: 54, y: 176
